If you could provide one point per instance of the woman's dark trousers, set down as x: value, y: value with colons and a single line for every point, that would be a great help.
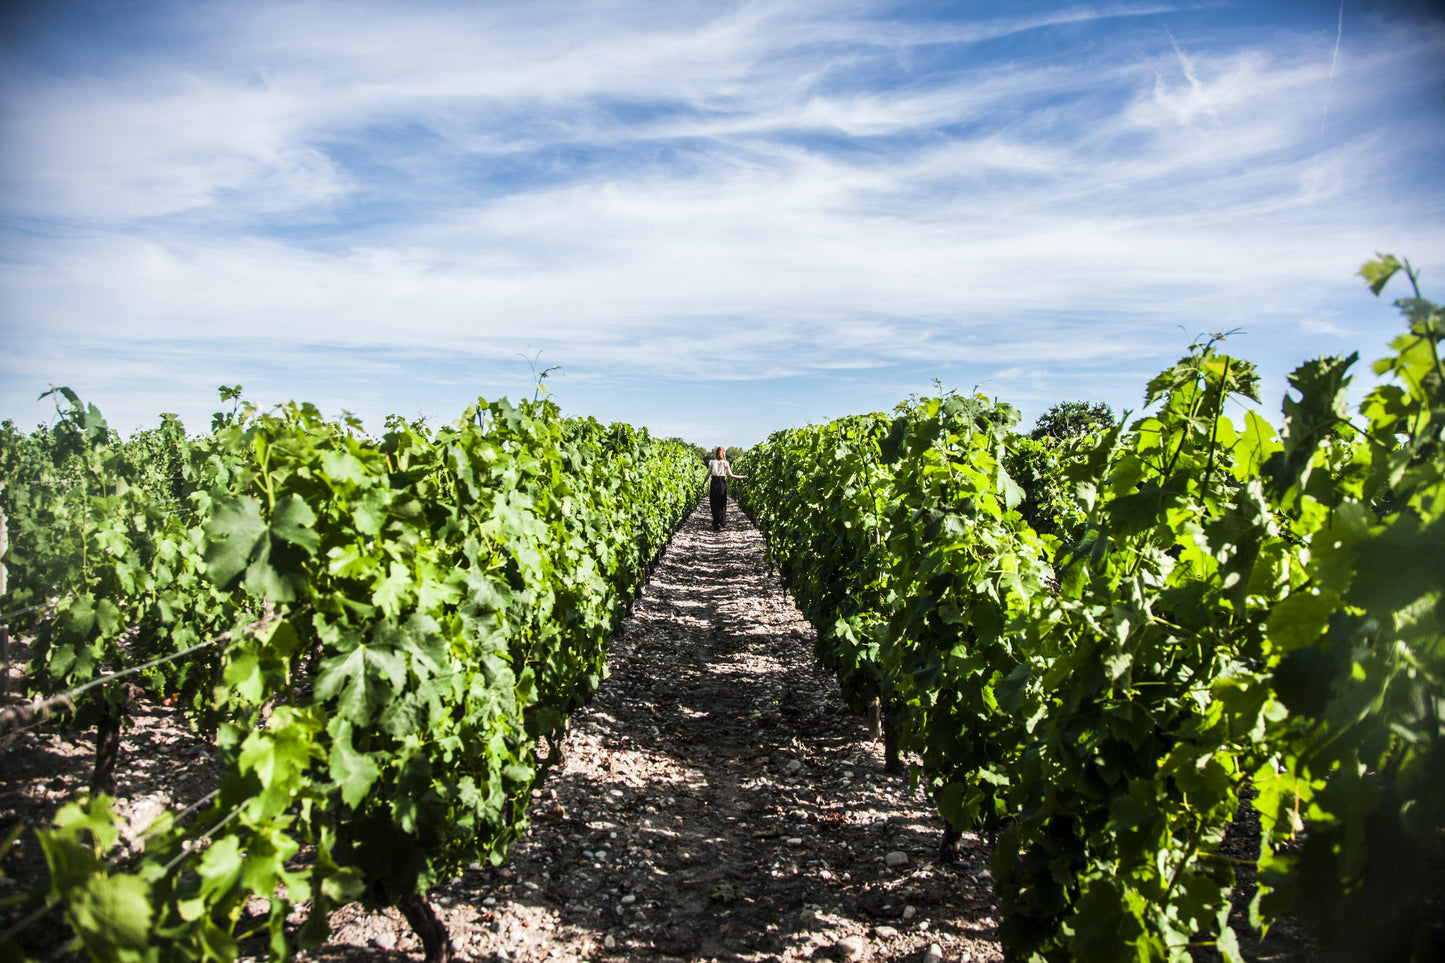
x: 719, y: 498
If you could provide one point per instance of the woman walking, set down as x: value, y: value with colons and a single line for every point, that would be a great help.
x: 719, y: 471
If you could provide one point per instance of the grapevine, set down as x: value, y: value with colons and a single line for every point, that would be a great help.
x: 1191, y: 612
x: 418, y: 611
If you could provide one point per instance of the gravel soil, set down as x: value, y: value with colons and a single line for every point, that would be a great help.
x: 716, y: 801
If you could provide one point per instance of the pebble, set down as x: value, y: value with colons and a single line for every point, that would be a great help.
x: 909, y: 912
x: 629, y: 899
x: 934, y: 954
x: 884, y: 932
x: 896, y: 859
x: 794, y: 767
x: 384, y: 941
x: 609, y: 942
x: 850, y: 949
x: 795, y: 840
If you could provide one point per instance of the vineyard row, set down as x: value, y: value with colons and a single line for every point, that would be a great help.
x: 380, y: 636
x: 1101, y: 646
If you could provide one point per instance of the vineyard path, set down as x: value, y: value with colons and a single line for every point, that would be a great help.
x: 717, y: 801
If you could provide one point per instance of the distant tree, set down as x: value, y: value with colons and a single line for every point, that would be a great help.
x: 703, y: 454
x: 1073, y: 418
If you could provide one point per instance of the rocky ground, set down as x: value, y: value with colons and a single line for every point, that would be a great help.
x: 717, y: 801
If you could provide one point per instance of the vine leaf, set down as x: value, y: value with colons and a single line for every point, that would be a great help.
x: 353, y: 771
x: 220, y: 868
x: 363, y: 681
x: 234, y: 534
x: 241, y: 541
x: 1378, y: 273
x: 114, y: 911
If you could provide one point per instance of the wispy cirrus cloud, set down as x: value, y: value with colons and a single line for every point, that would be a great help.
x: 721, y: 194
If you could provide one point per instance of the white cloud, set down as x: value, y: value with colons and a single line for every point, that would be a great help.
x: 1321, y: 326
x: 693, y: 191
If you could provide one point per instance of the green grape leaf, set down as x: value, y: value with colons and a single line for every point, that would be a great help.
x: 1378, y: 273
x: 1013, y: 689
x: 353, y: 771
x: 371, y: 513
x: 1227, y: 945
x: 60, y: 660
x: 265, y: 581
x: 233, y: 535
x: 363, y: 681
x: 1138, y: 511
x: 292, y: 522
x: 1299, y: 619
x: 342, y: 466
x: 891, y: 447
x: 265, y: 862
x: 220, y: 868
x: 1399, y: 565
x: 240, y: 541
x: 243, y: 673
x: 111, y: 913
x: 95, y: 816
x: 393, y: 593
x: 1320, y: 412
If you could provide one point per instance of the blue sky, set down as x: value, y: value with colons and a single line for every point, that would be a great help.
x: 718, y: 219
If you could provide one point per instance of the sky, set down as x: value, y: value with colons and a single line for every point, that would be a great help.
x: 715, y: 219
